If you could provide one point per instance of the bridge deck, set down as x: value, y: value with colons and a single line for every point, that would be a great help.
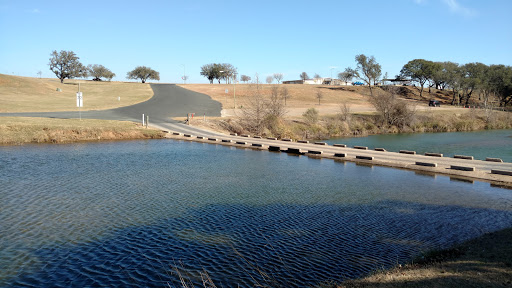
x: 493, y: 172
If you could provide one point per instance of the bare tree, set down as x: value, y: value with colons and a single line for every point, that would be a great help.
x: 278, y: 77
x: 285, y: 94
x: 311, y: 116
x: 304, y: 76
x: 254, y: 112
x: 345, y: 112
x: 275, y: 105
x: 39, y: 73
x: 245, y: 78
x: 270, y: 79
x: 392, y: 110
x: 319, y: 95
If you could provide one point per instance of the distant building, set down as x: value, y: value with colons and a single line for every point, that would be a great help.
x: 293, y: 82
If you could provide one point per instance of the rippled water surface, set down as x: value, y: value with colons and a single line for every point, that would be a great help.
x: 133, y: 213
x: 480, y: 144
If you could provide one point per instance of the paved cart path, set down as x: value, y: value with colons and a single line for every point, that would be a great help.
x: 168, y: 101
x: 172, y: 101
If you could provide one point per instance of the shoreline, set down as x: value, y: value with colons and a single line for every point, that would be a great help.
x: 15, y: 131
x: 484, y: 261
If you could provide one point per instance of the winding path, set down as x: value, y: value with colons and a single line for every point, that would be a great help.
x: 168, y: 101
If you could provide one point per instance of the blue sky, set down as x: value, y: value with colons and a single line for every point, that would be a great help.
x: 261, y: 37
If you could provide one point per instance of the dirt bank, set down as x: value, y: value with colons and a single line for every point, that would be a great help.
x: 482, y: 262
x: 23, y: 130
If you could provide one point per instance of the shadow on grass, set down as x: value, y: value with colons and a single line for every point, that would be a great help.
x: 482, y: 262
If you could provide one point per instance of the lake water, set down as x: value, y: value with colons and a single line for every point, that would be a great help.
x: 480, y: 144
x: 120, y: 214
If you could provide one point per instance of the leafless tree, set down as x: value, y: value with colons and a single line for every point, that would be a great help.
x: 304, y: 76
x: 245, y: 78
x: 311, y: 115
x: 275, y: 105
x: 270, y: 79
x: 285, y: 94
x: 319, y: 95
x: 345, y: 112
x: 278, y: 77
x: 392, y: 110
x: 254, y: 112
x: 39, y: 73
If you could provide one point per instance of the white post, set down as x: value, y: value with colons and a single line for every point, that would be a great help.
x: 143, y: 120
x: 79, y: 102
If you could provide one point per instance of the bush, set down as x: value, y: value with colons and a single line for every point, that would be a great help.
x: 311, y: 116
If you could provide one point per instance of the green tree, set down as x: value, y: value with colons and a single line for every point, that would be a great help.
x: 418, y: 70
x: 499, y: 81
x: 452, y: 78
x: 345, y: 76
x: 440, y: 75
x: 99, y: 71
x: 66, y: 64
x: 472, y: 76
x: 219, y: 71
x: 367, y: 69
x: 436, y: 69
x: 210, y: 71
x: 143, y: 73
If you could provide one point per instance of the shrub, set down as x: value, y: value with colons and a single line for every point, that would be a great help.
x: 311, y: 116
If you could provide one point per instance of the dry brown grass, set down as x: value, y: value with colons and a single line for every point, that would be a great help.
x: 22, y: 130
x: 482, y: 262
x: 25, y: 94
x: 302, y: 96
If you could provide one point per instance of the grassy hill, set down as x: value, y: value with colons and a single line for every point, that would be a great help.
x: 26, y: 94
x: 303, y: 97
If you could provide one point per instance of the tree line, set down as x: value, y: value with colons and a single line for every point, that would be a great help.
x: 492, y: 83
x: 66, y: 64
x: 489, y: 81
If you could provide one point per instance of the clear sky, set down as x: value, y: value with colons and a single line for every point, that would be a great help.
x: 263, y: 37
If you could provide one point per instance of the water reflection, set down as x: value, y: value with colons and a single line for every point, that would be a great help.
x: 480, y: 144
x: 123, y: 214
